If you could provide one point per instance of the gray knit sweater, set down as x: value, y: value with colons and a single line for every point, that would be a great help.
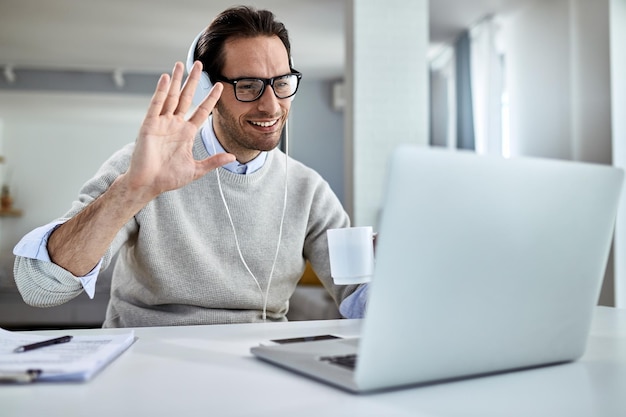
x: 178, y: 262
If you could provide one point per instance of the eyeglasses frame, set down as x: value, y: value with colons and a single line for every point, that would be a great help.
x: 266, y: 82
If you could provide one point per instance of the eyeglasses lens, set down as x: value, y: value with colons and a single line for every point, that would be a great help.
x: 251, y: 89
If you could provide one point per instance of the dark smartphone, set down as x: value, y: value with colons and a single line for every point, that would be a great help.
x: 305, y: 339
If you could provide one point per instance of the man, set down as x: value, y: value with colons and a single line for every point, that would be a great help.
x: 213, y: 223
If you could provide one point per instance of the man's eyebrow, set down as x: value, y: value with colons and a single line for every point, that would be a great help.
x: 257, y: 77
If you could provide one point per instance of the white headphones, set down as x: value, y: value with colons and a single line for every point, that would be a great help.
x: 205, y: 84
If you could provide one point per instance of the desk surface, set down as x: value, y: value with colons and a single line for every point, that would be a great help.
x: 208, y: 370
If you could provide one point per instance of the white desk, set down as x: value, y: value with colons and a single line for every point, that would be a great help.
x: 208, y: 371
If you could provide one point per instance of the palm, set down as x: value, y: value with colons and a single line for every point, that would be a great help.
x: 163, y: 158
x: 163, y: 155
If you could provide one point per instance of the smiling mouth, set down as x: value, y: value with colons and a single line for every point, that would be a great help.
x: 264, y: 124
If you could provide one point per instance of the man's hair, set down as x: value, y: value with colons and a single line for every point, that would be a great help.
x: 236, y: 22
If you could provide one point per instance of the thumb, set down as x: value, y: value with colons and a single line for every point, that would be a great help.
x: 213, y: 162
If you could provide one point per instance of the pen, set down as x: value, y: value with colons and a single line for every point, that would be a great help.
x: 25, y: 348
x: 19, y: 377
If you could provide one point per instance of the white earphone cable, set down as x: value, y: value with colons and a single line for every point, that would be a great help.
x: 265, y: 295
x: 282, y: 220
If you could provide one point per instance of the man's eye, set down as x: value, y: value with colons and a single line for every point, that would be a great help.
x: 246, y: 86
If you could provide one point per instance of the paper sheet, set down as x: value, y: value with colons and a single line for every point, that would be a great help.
x: 78, y: 359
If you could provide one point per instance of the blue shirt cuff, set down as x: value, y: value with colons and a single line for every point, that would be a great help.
x: 353, y: 307
x: 35, y: 244
x: 89, y: 281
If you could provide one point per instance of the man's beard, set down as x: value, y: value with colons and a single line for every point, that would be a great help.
x: 236, y: 136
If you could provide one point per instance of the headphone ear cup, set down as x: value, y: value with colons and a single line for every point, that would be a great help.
x: 202, y: 89
x: 204, y: 85
x: 291, y: 68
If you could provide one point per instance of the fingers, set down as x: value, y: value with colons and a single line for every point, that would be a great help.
x: 205, y: 108
x: 173, y: 93
x: 168, y: 97
x: 189, y: 88
x: 159, y: 96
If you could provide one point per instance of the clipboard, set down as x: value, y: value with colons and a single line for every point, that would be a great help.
x: 19, y: 377
x: 76, y: 360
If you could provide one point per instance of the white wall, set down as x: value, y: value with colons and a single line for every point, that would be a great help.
x: 387, y: 90
x: 618, y: 94
x: 538, y: 77
x: 317, y: 133
x: 591, y: 86
x: 558, y: 75
x: 2, y: 165
x: 53, y: 143
x: 558, y: 66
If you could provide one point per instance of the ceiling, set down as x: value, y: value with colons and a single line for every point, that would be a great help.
x: 150, y: 35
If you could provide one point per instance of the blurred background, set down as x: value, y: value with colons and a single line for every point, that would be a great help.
x: 541, y: 78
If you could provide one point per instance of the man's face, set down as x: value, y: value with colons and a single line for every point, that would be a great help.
x: 245, y: 129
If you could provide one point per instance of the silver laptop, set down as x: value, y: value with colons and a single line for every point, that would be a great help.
x: 483, y: 265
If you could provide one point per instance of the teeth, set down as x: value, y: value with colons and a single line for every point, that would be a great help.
x: 265, y: 124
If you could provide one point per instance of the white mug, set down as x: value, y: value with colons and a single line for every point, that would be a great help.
x: 351, y: 253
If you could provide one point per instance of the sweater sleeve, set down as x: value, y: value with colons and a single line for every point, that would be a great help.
x: 41, y: 282
x: 35, y: 246
x: 326, y: 213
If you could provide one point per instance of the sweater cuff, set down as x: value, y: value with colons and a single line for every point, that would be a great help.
x: 35, y: 246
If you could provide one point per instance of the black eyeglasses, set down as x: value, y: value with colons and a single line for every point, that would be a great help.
x: 250, y: 89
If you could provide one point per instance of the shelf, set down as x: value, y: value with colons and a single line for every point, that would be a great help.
x: 10, y: 213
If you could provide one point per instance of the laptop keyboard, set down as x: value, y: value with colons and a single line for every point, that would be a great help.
x: 346, y: 361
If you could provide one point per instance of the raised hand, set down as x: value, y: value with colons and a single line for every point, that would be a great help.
x: 163, y: 158
x: 162, y: 161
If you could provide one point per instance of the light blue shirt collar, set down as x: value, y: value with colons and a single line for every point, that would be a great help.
x: 209, y: 139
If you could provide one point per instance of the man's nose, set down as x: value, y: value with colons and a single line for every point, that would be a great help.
x: 268, y: 102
